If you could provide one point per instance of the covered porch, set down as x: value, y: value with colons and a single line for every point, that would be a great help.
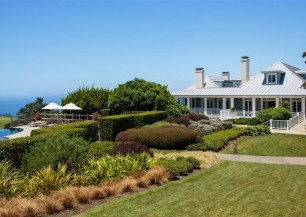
x: 236, y: 107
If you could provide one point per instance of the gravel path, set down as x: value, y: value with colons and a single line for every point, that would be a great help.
x: 264, y: 159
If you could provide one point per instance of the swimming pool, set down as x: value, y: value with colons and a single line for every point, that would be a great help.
x: 6, y: 132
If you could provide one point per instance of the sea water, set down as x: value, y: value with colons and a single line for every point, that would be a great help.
x: 11, y: 105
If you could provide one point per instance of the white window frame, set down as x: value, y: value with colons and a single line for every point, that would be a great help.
x: 270, y: 75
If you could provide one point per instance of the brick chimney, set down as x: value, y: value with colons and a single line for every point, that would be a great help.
x: 199, y: 78
x: 245, y: 69
x: 225, y: 76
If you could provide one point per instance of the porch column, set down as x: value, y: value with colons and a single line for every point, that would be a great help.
x: 243, y: 108
x: 224, y: 103
x: 232, y: 103
x: 188, y: 102
x: 205, y: 106
x: 303, y: 105
x: 253, y: 107
x: 276, y: 102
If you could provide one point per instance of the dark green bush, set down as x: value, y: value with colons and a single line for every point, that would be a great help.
x: 105, y: 112
x: 258, y: 130
x: 13, y: 149
x: 165, y: 137
x: 99, y: 149
x: 176, y: 110
x: 184, y: 162
x: 110, y: 126
x: 195, y: 162
x: 130, y: 148
x: 60, y: 150
x: 245, y: 121
x: 276, y: 113
x: 181, y: 166
x: 216, y: 141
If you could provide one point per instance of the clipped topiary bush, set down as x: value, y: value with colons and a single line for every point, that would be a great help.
x: 196, y: 117
x: 130, y: 148
x: 179, y: 120
x: 166, y: 137
x: 177, y: 110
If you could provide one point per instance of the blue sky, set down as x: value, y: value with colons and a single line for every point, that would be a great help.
x: 51, y: 47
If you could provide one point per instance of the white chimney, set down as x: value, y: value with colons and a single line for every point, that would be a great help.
x: 245, y: 69
x: 199, y: 76
x: 225, y: 76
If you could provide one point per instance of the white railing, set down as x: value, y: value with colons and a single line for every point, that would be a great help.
x: 287, y: 124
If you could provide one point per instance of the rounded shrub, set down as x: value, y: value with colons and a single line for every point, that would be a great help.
x: 130, y: 148
x: 60, y: 150
x: 165, y: 137
x: 277, y: 113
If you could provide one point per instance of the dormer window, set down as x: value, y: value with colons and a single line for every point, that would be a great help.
x: 272, y: 78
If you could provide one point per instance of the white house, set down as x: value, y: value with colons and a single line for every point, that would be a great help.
x: 215, y: 96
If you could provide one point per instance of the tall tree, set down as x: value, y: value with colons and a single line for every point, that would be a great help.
x: 89, y: 99
x: 140, y: 95
x: 304, y: 55
x: 33, y: 107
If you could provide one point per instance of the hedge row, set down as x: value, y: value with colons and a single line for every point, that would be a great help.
x: 14, y: 149
x: 87, y: 130
x: 110, y: 126
x: 217, y: 140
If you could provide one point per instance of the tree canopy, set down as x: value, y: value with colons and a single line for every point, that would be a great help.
x: 140, y: 95
x: 304, y: 55
x: 33, y: 107
x: 89, y: 99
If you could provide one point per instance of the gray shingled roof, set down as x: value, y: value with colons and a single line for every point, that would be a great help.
x: 255, y: 87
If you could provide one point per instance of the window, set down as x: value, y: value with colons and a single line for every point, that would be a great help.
x: 272, y: 78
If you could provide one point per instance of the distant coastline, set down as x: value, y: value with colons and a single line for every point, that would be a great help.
x: 11, y: 105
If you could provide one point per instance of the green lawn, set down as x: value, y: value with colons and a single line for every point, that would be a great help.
x: 272, y: 144
x: 3, y: 121
x: 229, y: 189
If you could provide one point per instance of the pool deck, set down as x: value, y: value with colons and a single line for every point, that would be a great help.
x: 26, y: 131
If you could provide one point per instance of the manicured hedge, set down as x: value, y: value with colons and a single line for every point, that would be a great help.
x: 87, y: 130
x: 110, y: 126
x: 165, y: 137
x: 14, y: 149
x: 217, y: 140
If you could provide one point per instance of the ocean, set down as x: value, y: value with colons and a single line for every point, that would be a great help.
x: 11, y: 105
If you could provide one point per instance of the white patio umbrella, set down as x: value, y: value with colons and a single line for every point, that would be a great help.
x: 71, y: 106
x: 52, y: 106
